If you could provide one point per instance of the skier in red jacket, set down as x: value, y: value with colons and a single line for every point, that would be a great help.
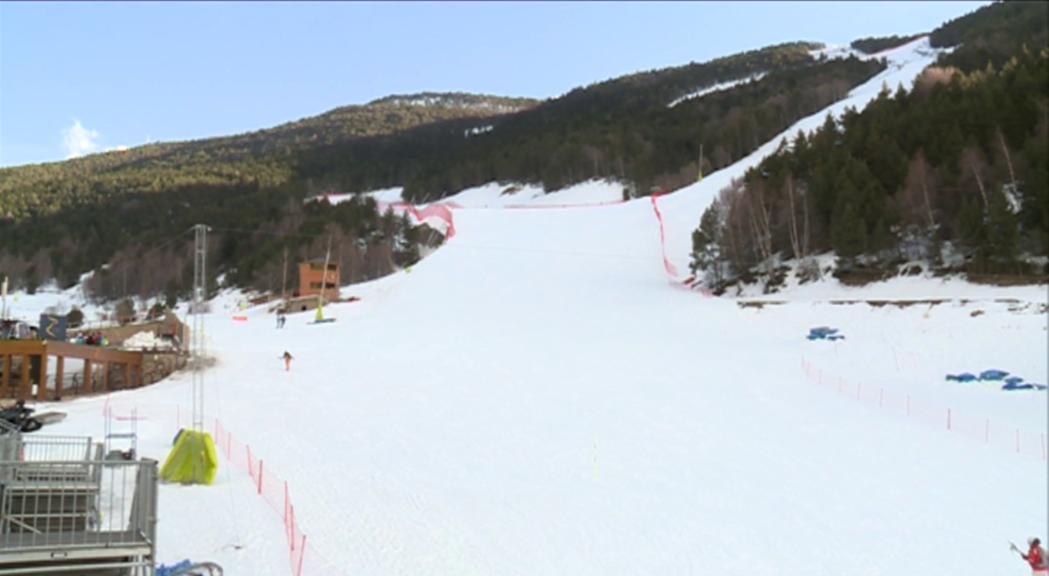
x: 1035, y: 557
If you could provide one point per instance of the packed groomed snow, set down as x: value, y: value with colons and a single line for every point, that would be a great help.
x: 538, y: 397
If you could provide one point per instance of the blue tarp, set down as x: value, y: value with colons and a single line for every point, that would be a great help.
x: 1012, y: 383
x: 824, y: 333
x: 1027, y: 386
x: 993, y: 375
x: 165, y: 570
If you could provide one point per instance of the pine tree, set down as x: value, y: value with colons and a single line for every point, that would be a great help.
x: 970, y: 225
x: 848, y: 235
x: 1002, y: 232
x: 706, y: 241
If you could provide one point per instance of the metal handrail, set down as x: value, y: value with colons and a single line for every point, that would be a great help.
x: 57, y: 513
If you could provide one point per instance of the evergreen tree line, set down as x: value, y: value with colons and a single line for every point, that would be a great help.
x: 622, y: 129
x: 141, y: 245
x: 265, y: 158
x: 877, y: 44
x: 959, y: 161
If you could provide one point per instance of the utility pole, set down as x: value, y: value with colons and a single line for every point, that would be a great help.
x: 700, y: 162
x: 3, y: 293
x: 324, y: 277
x: 284, y: 280
x: 200, y: 295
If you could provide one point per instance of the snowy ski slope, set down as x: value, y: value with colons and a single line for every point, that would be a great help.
x: 536, y: 398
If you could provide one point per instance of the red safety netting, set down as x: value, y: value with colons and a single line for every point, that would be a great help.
x: 982, y: 429
x: 690, y: 283
x: 276, y: 493
x: 269, y: 485
x: 442, y: 212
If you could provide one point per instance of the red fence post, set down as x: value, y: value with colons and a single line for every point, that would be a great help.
x: 285, y: 505
x: 302, y: 554
x: 291, y: 533
x: 260, y: 477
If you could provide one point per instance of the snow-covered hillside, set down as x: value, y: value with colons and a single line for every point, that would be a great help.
x: 536, y: 395
x: 682, y: 209
x: 536, y: 398
x: 717, y: 87
x: 512, y: 195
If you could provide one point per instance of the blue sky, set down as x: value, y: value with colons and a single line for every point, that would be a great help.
x: 79, y: 77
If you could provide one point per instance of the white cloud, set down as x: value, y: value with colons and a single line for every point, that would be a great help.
x: 79, y: 141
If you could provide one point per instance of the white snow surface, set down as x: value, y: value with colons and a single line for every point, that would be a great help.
x: 512, y: 195
x: 715, y: 88
x: 536, y: 398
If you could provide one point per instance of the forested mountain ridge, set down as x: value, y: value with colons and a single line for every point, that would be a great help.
x: 264, y: 157
x: 954, y: 173
x: 110, y: 212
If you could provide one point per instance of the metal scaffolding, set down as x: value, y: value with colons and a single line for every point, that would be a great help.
x: 197, y: 344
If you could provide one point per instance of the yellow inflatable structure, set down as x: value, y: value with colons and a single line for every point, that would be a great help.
x: 193, y: 460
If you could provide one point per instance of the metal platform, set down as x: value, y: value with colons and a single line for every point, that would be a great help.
x: 66, y: 510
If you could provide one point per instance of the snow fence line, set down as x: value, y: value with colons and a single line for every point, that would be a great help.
x: 442, y: 212
x: 269, y: 485
x: 975, y: 428
x: 691, y: 283
x: 275, y: 491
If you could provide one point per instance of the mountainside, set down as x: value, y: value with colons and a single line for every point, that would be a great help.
x: 264, y: 157
x: 641, y: 129
x: 652, y: 131
x: 952, y: 174
x: 71, y: 217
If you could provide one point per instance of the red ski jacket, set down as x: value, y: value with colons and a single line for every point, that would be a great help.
x: 1036, y: 558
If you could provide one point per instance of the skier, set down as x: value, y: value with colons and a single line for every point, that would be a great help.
x: 281, y: 319
x: 1035, y: 557
x: 287, y: 361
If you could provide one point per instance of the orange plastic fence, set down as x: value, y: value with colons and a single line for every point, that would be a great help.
x: 974, y: 427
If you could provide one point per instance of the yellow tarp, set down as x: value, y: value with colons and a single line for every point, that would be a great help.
x: 193, y: 460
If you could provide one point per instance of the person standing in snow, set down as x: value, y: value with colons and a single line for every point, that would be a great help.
x: 287, y: 361
x: 1035, y: 557
x: 281, y: 318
